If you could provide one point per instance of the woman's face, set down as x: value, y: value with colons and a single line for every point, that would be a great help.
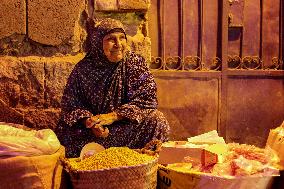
x: 114, y: 46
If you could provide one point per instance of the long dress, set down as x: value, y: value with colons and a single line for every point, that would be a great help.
x: 128, y: 88
x: 97, y: 86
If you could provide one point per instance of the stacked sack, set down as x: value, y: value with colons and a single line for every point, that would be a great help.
x: 29, y: 158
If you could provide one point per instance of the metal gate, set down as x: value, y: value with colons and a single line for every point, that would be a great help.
x: 231, y: 40
x: 191, y: 34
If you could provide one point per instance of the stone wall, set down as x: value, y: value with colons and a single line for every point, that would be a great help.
x: 41, y: 41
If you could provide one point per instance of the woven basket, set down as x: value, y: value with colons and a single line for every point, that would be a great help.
x: 142, y: 176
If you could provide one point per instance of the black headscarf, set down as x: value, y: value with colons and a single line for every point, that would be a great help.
x: 97, y: 31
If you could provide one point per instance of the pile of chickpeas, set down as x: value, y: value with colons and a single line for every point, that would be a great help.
x: 111, y: 158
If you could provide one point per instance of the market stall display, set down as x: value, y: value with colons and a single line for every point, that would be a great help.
x: 114, y: 167
x: 112, y: 157
x: 216, y: 166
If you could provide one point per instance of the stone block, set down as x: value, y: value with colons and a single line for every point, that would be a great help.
x: 22, y: 81
x: 57, y: 73
x: 141, y: 45
x: 132, y: 21
x: 55, y: 22
x: 106, y: 5
x: 42, y: 118
x: 9, y: 85
x: 10, y: 115
x: 12, y: 17
x: 134, y: 4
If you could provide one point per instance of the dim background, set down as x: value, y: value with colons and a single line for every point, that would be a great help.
x: 218, y: 63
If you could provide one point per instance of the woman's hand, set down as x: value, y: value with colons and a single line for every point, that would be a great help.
x: 100, y: 131
x: 97, y: 123
x: 105, y: 119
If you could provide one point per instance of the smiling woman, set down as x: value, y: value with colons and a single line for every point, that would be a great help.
x: 114, y: 45
x: 110, y: 97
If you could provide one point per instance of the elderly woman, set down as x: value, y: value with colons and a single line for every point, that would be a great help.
x: 110, y: 96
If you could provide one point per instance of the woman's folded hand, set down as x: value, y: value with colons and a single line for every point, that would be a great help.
x: 100, y: 131
x: 105, y: 119
x: 97, y: 123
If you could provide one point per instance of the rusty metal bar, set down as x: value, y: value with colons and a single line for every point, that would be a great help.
x: 222, y: 114
x: 219, y: 32
x: 162, y: 15
x: 163, y: 32
x: 180, y: 29
x: 261, y: 34
x: 242, y: 33
x: 281, y: 33
x: 182, y: 12
x: 241, y: 41
x: 200, y: 30
x: 160, y: 46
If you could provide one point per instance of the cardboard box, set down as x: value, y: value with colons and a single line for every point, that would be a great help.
x: 172, y: 179
x: 177, y: 152
x: 181, y: 151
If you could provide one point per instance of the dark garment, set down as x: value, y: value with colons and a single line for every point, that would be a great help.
x: 122, y: 133
x: 126, y: 87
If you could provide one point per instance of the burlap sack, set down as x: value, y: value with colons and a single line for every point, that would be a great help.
x: 41, y: 172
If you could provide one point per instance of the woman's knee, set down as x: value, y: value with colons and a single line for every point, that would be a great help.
x: 158, y: 117
x: 159, y: 121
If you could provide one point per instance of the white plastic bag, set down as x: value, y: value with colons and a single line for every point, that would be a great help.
x: 18, y: 142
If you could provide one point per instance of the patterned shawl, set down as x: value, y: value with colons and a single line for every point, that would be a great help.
x: 97, y: 86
